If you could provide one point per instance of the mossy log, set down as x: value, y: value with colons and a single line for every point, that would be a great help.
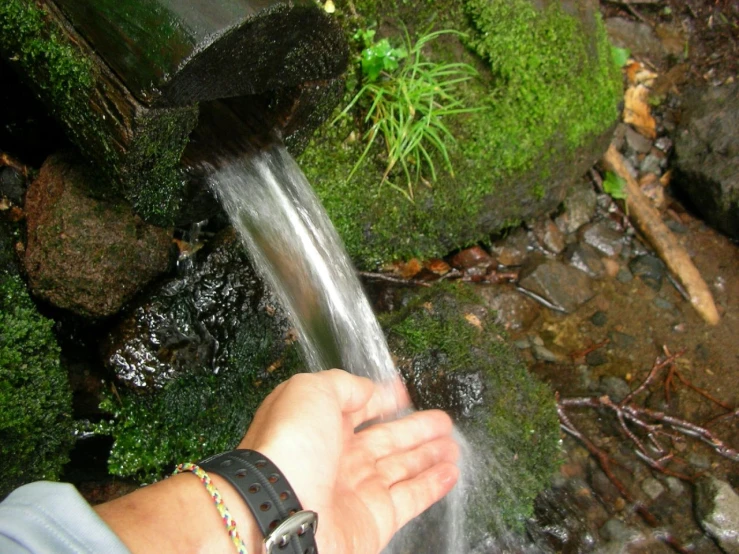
x: 126, y: 78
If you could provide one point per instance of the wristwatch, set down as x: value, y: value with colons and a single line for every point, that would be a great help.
x: 285, y: 525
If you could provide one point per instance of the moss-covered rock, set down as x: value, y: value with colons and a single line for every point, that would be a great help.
x: 549, y: 92
x: 35, y: 398
x: 454, y: 357
x: 193, y: 360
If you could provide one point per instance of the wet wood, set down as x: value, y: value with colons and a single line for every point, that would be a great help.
x: 648, y: 220
x: 179, y: 52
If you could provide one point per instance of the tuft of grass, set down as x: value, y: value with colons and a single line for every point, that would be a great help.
x: 406, y: 107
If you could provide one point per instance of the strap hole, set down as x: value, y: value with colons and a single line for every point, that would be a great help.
x: 226, y: 463
x: 265, y: 506
x: 260, y: 463
x: 273, y: 478
x: 273, y: 524
x: 284, y: 495
x: 241, y: 473
x: 254, y: 488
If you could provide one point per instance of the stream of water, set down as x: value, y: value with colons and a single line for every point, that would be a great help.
x: 298, y: 252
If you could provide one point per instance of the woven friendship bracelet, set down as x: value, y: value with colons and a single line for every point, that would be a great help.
x: 218, y: 500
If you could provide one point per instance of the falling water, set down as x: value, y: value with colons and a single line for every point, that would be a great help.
x: 299, y: 253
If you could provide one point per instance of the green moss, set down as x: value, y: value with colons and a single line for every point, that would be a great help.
x: 146, y: 174
x: 35, y: 398
x: 518, y: 414
x: 547, y: 90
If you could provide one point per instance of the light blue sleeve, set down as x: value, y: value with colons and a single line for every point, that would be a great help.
x: 47, y: 517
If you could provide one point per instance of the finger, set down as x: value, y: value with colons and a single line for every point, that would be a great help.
x: 350, y: 391
x: 385, y: 439
x: 388, y: 401
x: 411, y: 463
x: 413, y: 496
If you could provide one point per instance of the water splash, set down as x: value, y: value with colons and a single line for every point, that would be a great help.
x: 300, y: 255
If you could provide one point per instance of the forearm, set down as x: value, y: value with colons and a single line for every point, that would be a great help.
x: 179, y: 515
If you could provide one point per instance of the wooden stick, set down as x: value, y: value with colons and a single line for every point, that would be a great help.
x: 648, y: 220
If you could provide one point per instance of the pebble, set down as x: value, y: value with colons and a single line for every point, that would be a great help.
x: 549, y: 236
x: 637, y: 142
x: 599, y: 318
x: 585, y: 258
x: 701, y: 461
x: 651, y: 164
x: 675, y: 486
x: 624, y: 276
x: 650, y: 269
x: 596, y: 358
x: 664, y: 304
x: 676, y: 227
x: 652, y: 488
x: 543, y: 354
x: 614, y: 387
x: 603, y: 237
x: 621, y: 340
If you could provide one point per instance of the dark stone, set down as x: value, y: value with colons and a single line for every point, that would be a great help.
x: 650, y: 269
x: 549, y: 235
x: 599, y: 318
x: 707, y: 155
x: 579, y: 207
x: 189, y: 324
x: 513, y: 310
x: 638, y: 37
x: 621, y: 340
x: 637, y: 142
x: 564, y: 286
x: 585, y: 258
x: 12, y: 185
x: 602, y: 236
x: 676, y: 227
x: 596, y: 358
x: 513, y: 249
x: 615, y: 388
x: 83, y: 254
x: 624, y: 275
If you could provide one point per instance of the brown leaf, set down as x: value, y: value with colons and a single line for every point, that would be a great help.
x: 409, y: 269
x: 637, y: 111
x: 437, y: 266
x: 472, y: 319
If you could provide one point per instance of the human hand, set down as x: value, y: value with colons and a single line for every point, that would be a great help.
x: 364, y: 485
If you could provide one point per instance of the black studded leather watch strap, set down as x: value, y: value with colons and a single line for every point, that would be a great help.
x: 269, y: 496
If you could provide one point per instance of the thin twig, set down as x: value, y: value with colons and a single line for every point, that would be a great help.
x: 393, y: 279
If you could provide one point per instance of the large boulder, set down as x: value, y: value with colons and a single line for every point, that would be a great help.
x: 547, y: 94
x: 192, y: 361
x: 85, y: 254
x: 707, y: 155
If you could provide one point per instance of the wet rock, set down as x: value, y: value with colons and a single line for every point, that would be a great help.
x: 707, y: 155
x: 637, y: 142
x: 83, y: 254
x: 664, y: 144
x: 12, y: 185
x: 651, y: 164
x: 474, y: 257
x: 599, y: 318
x: 717, y: 508
x: 621, y: 340
x: 189, y: 324
x: 549, y: 235
x: 561, y: 285
x: 638, y: 37
x: 596, y: 358
x: 615, y: 530
x: 579, y: 208
x: 543, y: 354
x: 469, y: 370
x: 652, y: 487
x: 603, y: 237
x: 624, y: 275
x: 615, y: 388
x: 650, y: 269
x: 663, y: 304
x: 513, y: 310
x: 676, y: 227
x: 700, y: 461
x: 513, y: 249
x: 585, y: 258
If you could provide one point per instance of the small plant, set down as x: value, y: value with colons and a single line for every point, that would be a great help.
x: 615, y: 186
x: 405, y: 104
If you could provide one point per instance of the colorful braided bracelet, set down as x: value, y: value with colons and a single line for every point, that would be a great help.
x: 220, y: 506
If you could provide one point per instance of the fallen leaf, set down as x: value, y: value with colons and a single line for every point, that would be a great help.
x: 473, y: 320
x: 274, y: 366
x: 409, y: 269
x: 637, y: 112
x: 665, y: 179
x: 437, y: 266
x: 652, y: 188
